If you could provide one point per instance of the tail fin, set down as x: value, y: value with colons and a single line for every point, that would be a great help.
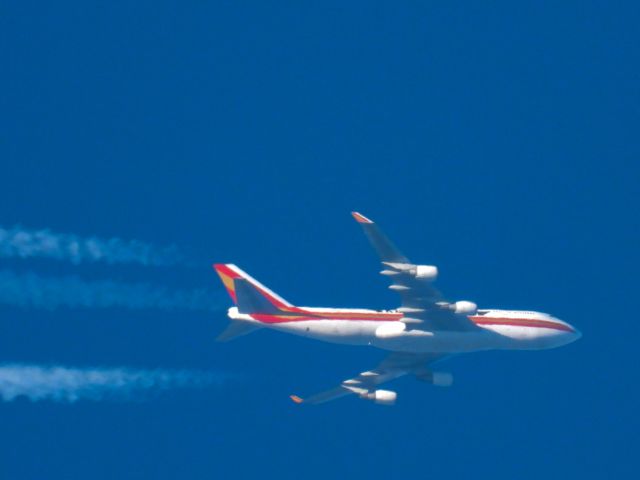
x: 251, y: 300
x: 250, y: 296
x: 247, y: 293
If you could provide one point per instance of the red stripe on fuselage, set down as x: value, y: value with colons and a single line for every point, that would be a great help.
x: 301, y: 315
x: 521, y: 322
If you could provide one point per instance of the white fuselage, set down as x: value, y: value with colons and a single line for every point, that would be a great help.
x: 498, y: 329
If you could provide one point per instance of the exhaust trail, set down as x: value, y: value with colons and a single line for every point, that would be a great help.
x: 30, y: 290
x: 17, y: 242
x: 63, y: 384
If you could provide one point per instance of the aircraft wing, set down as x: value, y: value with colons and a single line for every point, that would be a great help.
x: 423, y: 305
x: 364, y: 385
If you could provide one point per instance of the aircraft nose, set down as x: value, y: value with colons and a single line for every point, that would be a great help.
x: 572, y: 334
x: 577, y: 334
x: 567, y: 334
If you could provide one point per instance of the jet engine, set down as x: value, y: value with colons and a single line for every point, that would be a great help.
x: 425, y: 272
x: 465, y: 307
x: 382, y: 397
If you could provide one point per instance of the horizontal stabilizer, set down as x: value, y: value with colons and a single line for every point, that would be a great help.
x: 236, y: 329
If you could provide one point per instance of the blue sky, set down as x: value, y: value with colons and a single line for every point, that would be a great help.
x: 499, y: 142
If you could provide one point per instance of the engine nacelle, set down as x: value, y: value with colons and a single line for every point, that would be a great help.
x: 465, y: 307
x: 382, y: 397
x: 442, y: 379
x: 425, y: 272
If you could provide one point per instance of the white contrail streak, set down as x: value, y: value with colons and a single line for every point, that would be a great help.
x: 30, y: 290
x: 24, y: 243
x: 62, y: 384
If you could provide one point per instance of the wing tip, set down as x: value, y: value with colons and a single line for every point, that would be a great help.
x: 296, y: 399
x: 360, y: 218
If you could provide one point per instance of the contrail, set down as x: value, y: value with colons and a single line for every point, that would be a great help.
x: 62, y: 384
x: 30, y: 290
x: 23, y: 243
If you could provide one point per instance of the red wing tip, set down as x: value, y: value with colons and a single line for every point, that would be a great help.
x: 360, y: 218
x: 296, y: 399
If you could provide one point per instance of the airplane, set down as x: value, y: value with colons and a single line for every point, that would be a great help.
x: 423, y: 330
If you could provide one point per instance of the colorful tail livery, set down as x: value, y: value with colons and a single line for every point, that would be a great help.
x: 247, y: 293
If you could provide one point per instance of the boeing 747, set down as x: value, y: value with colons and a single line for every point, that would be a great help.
x: 423, y: 330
